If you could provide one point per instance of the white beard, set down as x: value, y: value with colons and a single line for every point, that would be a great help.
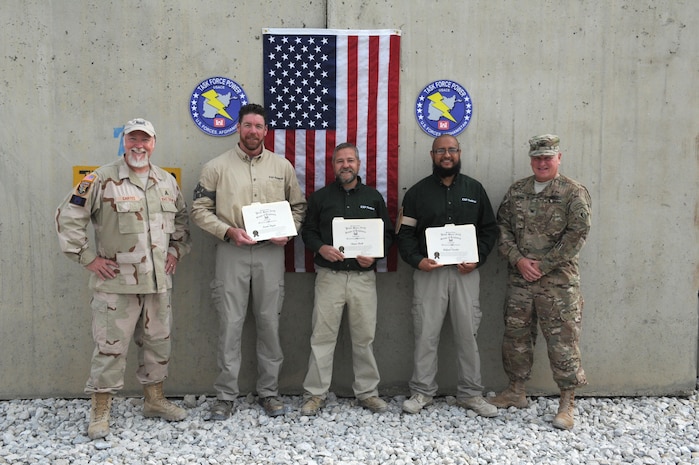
x: 137, y: 163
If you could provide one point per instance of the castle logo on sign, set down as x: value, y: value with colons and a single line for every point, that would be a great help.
x: 215, y: 104
x: 443, y: 107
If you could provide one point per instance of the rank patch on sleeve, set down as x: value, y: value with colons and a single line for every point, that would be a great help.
x: 77, y: 200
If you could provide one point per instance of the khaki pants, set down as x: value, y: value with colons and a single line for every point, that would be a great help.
x: 433, y: 294
x: 116, y: 318
x: 243, y: 273
x: 333, y: 291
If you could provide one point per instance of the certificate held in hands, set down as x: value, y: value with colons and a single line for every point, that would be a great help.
x: 354, y: 237
x: 267, y: 220
x: 451, y: 244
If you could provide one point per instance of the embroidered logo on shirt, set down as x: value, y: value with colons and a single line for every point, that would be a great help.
x: 84, y: 186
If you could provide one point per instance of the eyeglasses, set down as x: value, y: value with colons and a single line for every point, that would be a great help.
x: 451, y: 150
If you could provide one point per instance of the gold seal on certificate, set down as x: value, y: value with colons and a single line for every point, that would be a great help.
x: 267, y: 220
x: 451, y: 244
x: 354, y: 237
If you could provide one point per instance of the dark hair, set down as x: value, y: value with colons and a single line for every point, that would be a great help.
x: 252, y: 108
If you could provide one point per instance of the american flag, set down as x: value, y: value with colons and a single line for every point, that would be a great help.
x: 323, y: 87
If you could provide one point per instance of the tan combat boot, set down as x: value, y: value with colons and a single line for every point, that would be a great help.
x: 513, y: 396
x: 564, y: 418
x: 99, y: 415
x: 156, y: 405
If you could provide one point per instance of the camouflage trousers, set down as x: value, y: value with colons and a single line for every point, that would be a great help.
x: 557, y: 309
x: 116, y: 318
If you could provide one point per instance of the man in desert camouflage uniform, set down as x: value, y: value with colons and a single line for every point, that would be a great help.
x: 544, y: 220
x: 141, y: 232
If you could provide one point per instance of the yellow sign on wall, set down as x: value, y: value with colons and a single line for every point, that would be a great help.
x: 79, y: 172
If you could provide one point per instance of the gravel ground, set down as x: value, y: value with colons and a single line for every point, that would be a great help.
x: 639, y: 430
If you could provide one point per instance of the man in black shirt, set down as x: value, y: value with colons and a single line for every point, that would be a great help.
x: 446, y: 197
x: 341, y: 282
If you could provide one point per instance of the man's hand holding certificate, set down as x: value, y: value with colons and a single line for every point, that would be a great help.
x: 358, y: 237
x: 265, y: 221
x: 452, y: 244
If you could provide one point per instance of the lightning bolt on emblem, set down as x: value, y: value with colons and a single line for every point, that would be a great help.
x: 212, y: 99
x: 439, y: 105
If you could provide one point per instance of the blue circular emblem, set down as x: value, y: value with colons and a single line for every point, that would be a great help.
x: 443, y: 107
x: 215, y: 104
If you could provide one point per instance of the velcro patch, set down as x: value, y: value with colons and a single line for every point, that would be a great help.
x: 78, y: 200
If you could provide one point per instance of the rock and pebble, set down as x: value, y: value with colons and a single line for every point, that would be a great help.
x: 617, y: 430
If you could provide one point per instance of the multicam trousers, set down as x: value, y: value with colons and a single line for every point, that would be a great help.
x: 116, y: 318
x: 557, y: 309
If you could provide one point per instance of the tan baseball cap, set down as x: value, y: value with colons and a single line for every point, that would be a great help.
x: 139, y: 124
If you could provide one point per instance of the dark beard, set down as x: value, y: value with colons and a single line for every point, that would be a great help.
x: 446, y: 172
x: 349, y: 181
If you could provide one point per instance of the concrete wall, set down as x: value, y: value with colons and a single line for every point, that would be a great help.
x: 617, y: 80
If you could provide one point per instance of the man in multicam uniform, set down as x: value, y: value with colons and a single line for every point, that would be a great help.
x: 544, y: 220
x: 141, y: 232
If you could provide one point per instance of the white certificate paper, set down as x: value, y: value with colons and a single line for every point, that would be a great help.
x: 451, y: 244
x: 355, y: 237
x: 267, y: 220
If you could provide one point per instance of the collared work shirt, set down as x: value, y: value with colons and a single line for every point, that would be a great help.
x: 430, y: 203
x: 233, y: 180
x: 333, y: 201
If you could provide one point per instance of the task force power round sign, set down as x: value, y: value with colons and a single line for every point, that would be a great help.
x: 214, y: 105
x: 443, y: 107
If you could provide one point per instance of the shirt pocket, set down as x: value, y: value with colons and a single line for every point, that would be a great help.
x: 169, y: 209
x: 274, y: 190
x: 129, y: 217
x: 131, y: 266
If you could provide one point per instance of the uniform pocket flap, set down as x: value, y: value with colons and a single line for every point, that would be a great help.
x: 128, y: 206
x: 168, y: 206
x: 129, y: 257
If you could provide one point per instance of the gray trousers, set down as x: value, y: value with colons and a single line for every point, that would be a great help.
x: 435, y: 293
x: 256, y: 274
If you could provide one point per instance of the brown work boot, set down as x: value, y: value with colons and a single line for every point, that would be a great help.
x: 513, y: 396
x: 374, y: 403
x: 156, y: 405
x: 312, y: 405
x: 99, y: 415
x: 564, y: 418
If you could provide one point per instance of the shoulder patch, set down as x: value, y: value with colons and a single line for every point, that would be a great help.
x: 84, y: 186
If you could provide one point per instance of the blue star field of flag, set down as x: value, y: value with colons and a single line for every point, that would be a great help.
x: 299, y: 81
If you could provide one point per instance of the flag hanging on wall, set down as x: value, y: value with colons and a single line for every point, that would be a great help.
x: 323, y: 87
